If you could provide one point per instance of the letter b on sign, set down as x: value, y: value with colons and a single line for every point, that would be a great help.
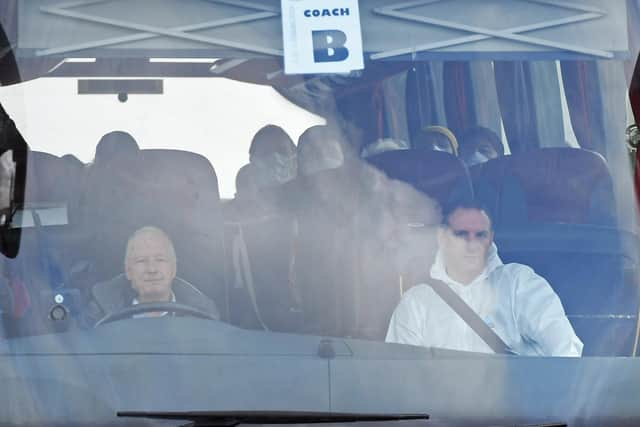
x: 328, y: 46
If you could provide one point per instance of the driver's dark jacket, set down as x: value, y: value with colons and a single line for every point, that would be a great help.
x: 116, y: 294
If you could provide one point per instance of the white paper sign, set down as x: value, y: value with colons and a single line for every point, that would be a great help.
x: 321, y: 36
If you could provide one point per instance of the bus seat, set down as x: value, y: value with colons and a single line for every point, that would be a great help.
x: 297, y: 282
x: 350, y: 221
x: 439, y: 175
x: 399, y: 211
x: 444, y: 179
x: 57, y: 179
x: 54, y: 186
x: 178, y: 192
x: 116, y: 146
x: 593, y: 270
x: 106, y: 214
x: 326, y: 250
x: 260, y: 239
x: 549, y: 185
x: 553, y: 210
x: 171, y: 189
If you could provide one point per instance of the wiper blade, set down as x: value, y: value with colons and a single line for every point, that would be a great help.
x: 234, y: 418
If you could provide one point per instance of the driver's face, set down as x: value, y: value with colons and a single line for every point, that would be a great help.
x: 150, y: 267
x: 465, y: 242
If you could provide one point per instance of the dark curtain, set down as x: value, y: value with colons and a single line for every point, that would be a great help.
x: 395, y: 106
x: 584, y: 99
x: 487, y: 110
x: 513, y: 82
x: 470, y: 97
x: 596, y: 92
x: 530, y: 103
x: 424, y: 97
x: 459, y: 96
x: 367, y: 104
x: 364, y: 110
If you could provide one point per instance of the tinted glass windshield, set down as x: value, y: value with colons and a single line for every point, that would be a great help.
x: 189, y: 222
x: 323, y: 204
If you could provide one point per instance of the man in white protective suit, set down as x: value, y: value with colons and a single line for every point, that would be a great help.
x: 516, y: 303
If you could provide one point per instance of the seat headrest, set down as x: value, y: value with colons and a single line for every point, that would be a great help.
x: 435, y: 173
x: 559, y: 184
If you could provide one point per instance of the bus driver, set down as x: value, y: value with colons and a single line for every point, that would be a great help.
x: 149, y: 276
x: 519, y: 305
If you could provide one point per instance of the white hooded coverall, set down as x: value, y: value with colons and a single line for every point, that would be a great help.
x: 512, y: 299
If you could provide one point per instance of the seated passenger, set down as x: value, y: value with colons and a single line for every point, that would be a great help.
x: 437, y: 138
x: 150, y: 276
x: 246, y: 188
x: 71, y: 159
x: 247, y: 204
x: 396, y: 225
x: 520, y: 306
x: 319, y: 149
x: 273, y: 155
x: 115, y: 145
x: 478, y: 145
x: 383, y: 145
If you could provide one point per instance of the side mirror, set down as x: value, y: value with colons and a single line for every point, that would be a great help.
x: 633, y: 137
x: 634, y: 93
x: 13, y: 157
x: 13, y: 171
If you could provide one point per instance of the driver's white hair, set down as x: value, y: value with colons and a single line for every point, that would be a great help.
x: 153, y: 231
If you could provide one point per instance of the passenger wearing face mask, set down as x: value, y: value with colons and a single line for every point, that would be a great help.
x: 324, y: 244
x: 244, y: 204
x: 319, y: 149
x: 273, y: 155
x: 478, y: 145
x: 437, y: 138
x: 265, y: 230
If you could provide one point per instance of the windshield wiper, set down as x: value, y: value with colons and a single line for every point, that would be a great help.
x: 234, y: 418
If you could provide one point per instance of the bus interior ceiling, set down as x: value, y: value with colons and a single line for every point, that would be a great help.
x: 321, y: 258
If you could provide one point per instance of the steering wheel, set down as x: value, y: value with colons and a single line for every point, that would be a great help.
x: 150, y: 307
